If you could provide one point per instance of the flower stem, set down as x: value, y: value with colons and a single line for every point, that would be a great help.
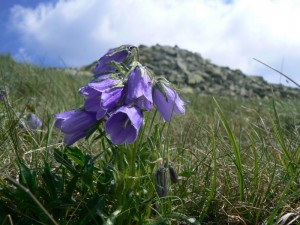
x: 133, y: 155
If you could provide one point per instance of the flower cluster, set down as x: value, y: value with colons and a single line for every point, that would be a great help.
x: 121, y: 90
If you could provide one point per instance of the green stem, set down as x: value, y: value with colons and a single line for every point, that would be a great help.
x: 132, y: 160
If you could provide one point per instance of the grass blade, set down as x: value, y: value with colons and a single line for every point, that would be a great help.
x: 236, y: 151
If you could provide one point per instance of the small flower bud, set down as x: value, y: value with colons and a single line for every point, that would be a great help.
x: 173, y: 175
x: 2, y: 96
x: 161, y: 182
x: 33, y: 121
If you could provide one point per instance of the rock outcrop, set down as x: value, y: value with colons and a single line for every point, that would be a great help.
x: 192, y: 73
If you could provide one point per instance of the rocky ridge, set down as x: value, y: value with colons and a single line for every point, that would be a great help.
x: 193, y: 74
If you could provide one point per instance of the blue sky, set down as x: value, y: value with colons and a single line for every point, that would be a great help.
x: 228, y: 32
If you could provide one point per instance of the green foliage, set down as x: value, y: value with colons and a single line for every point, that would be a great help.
x: 237, y: 160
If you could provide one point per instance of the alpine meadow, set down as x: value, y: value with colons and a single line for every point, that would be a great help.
x: 146, y: 135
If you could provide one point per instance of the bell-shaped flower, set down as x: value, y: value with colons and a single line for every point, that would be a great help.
x: 117, y: 55
x: 93, y: 93
x: 139, y: 88
x: 167, y: 101
x: 33, y: 121
x: 109, y: 100
x: 75, y: 124
x: 124, y: 124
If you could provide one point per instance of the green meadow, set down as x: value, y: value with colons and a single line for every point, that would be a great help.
x: 237, y: 160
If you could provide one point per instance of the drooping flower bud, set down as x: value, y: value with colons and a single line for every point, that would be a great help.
x: 33, y: 121
x: 139, y: 88
x: 75, y: 124
x: 161, y: 181
x: 173, y: 175
x: 167, y: 101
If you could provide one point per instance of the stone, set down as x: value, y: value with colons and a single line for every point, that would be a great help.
x: 195, y: 77
x: 196, y: 74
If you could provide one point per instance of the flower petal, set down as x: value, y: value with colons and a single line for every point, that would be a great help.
x: 65, y: 115
x: 71, y: 138
x: 103, y: 65
x: 118, y: 55
x: 169, y: 103
x: 139, y: 88
x: 134, y: 114
x: 179, y: 105
x: 103, y: 85
x: 61, y: 117
x: 124, y: 124
x: 162, y: 105
x: 92, y: 104
x: 111, y: 97
x: 113, y: 124
x: 88, y: 91
x: 79, y: 121
x: 76, y: 124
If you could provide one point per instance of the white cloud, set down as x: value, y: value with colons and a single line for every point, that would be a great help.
x: 231, y: 35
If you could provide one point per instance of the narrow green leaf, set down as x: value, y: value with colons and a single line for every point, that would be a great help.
x: 213, y: 183
x: 236, y: 150
x: 76, y: 155
x: 49, y: 181
x: 186, y: 174
x: 27, y: 177
x: 62, y: 158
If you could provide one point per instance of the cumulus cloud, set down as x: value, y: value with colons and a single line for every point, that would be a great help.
x: 230, y: 34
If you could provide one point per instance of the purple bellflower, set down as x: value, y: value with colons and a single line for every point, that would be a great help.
x: 34, y: 122
x: 121, y: 89
x: 139, y: 88
x: 167, y: 102
x: 93, y: 92
x: 75, y: 124
x: 117, y: 55
x: 109, y: 100
x: 96, y: 86
x: 123, y: 125
x: 92, y: 98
